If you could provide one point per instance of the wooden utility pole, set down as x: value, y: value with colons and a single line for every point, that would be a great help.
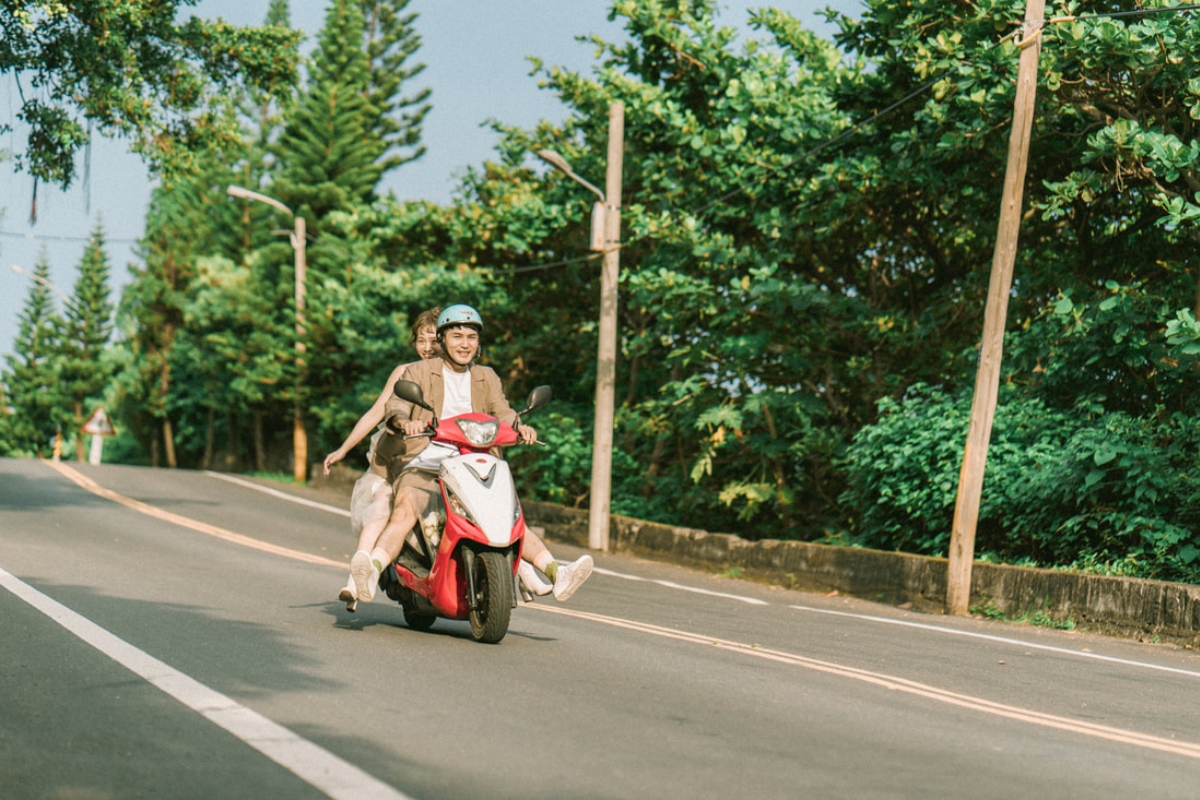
x: 987, y: 379
x: 606, y: 355
x: 299, y: 432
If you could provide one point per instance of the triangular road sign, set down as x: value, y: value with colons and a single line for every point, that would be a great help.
x: 98, y: 425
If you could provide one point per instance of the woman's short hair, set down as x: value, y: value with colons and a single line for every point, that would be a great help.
x: 426, y: 319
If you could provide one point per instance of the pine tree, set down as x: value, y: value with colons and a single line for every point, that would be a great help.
x: 34, y: 390
x: 264, y: 113
x: 390, y: 41
x: 329, y: 152
x: 86, y: 330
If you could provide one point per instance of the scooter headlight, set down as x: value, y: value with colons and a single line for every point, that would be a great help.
x: 480, y: 434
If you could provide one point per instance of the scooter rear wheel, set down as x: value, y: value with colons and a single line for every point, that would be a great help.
x: 493, y: 597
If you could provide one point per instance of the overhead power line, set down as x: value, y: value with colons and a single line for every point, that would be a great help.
x: 42, y: 237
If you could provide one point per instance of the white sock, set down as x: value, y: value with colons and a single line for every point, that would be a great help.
x: 543, y: 560
x: 380, y: 559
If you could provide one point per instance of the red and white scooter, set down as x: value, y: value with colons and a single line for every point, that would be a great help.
x: 465, y: 567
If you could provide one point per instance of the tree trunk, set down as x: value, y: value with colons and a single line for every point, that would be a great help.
x: 169, y: 442
x: 231, y: 445
x: 164, y: 385
x: 781, y: 482
x: 1196, y: 300
x: 209, y: 432
x: 660, y: 448
x: 79, y: 430
x: 260, y: 450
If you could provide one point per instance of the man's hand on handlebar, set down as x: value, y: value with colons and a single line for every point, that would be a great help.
x: 528, y: 434
x: 416, y: 427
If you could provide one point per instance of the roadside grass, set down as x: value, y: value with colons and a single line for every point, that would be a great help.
x: 1039, y: 617
x: 273, y: 476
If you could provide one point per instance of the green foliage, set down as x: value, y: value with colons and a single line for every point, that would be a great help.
x: 391, y: 41
x: 328, y: 151
x: 134, y: 69
x: 1062, y: 487
x: 33, y: 390
x: 902, y: 472
x: 86, y: 329
x: 561, y: 471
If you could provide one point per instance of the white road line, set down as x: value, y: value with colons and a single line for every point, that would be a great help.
x: 323, y: 770
x: 276, y: 493
x: 754, y: 601
x: 1005, y: 640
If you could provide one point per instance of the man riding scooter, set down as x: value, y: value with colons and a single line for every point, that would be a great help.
x: 452, y: 385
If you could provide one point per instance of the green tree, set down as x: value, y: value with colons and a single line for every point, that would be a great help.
x: 328, y: 157
x: 86, y: 328
x: 184, y: 220
x: 229, y: 356
x: 390, y: 42
x: 32, y: 381
x: 346, y: 126
x: 133, y: 69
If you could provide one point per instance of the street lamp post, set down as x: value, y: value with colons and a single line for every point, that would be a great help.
x: 606, y: 237
x: 299, y: 242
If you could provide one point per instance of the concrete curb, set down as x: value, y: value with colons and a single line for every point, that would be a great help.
x: 1130, y: 607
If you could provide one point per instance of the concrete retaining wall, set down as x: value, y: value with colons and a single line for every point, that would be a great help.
x: 1120, y: 606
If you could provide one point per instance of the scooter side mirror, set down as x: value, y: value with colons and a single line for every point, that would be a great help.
x: 539, y: 397
x: 410, y: 392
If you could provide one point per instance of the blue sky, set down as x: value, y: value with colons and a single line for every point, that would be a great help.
x: 475, y: 52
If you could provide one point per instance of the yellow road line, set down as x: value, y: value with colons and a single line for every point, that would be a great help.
x: 893, y: 683
x: 175, y: 519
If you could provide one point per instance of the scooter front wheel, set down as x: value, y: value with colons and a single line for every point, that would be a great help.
x: 493, y: 597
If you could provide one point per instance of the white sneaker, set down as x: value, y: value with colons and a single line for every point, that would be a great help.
x: 570, y: 577
x: 349, y: 595
x: 364, y: 575
x: 533, y: 580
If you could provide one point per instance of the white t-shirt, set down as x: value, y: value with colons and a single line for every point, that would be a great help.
x: 457, y: 398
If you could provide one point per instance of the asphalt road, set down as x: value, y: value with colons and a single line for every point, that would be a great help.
x: 173, y: 634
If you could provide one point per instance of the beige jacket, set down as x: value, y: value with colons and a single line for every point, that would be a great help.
x: 393, y: 451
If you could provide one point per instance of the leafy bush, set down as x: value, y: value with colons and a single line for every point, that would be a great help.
x: 1061, y: 488
x: 561, y: 471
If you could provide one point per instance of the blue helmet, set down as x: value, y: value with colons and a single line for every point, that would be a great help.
x: 459, y: 315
